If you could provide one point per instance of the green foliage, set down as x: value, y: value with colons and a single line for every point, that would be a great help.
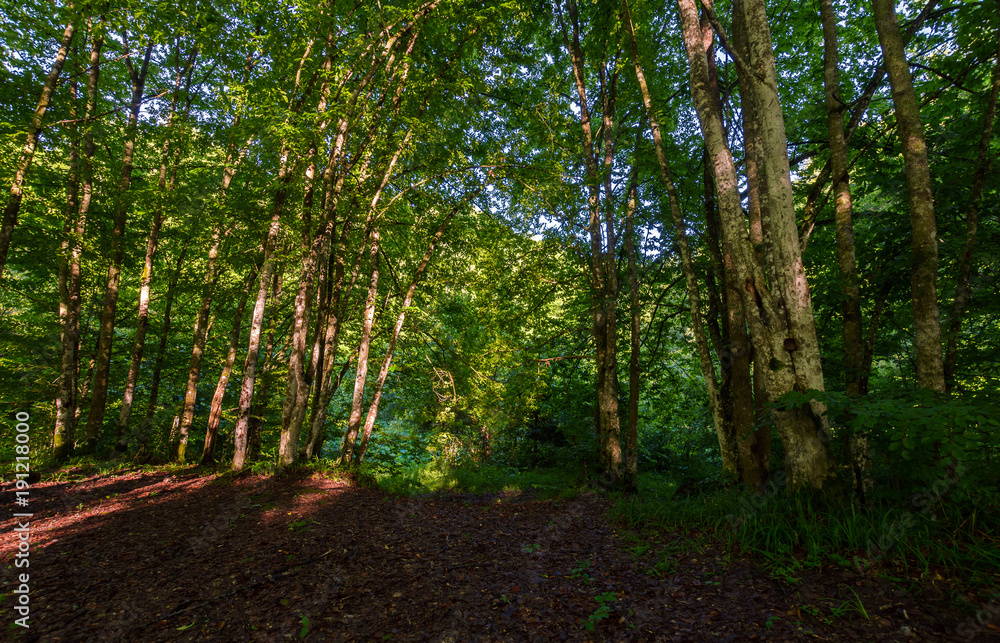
x: 931, y: 434
x: 602, y: 612
x: 436, y: 476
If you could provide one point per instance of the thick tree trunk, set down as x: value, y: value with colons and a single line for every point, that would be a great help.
x: 923, y: 276
x: 963, y: 292
x: 780, y: 326
x: 102, y: 370
x: 28, y: 151
x: 215, y: 412
x: 152, y: 242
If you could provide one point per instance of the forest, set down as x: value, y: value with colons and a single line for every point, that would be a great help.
x: 543, y: 319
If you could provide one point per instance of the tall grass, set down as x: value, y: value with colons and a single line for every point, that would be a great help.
x: 957, y: 538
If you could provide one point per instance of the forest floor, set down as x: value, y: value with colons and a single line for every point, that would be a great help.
x: 152, y: 556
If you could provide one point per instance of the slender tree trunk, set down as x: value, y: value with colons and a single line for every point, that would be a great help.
x: 145, y: 433
x: 326, y: 386
x: 963, y: 291
x: 397, y: 328
x: 142, y: 318
x: 634, y: 372
x: 215, y: 412
x: 603, y: 283
x: 297, y: 389
x: 775, y: 337
x: 28, y: 151
x: 99, y: 400
x: 262, y: 396
x: 201, y: 326
x: 726, y: 445
x: 69, y: 299
x: 361, y: 372
x: 923, y: 277
x: 844, y: 218
x: 835, y: 107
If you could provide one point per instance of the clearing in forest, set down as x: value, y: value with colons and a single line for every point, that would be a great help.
x: 154, y: 556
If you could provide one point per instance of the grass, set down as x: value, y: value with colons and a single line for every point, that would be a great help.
x: 432, y: 477
x: 957, y: 539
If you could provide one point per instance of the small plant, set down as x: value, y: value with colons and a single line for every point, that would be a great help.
x: 305, y: 627
x: 602, y: 612
x: 578, y: 571
x: 771, y: 621
x: 532, y: 548
x: 858, y: 606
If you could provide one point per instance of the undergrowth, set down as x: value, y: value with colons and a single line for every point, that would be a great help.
x: 435, y: 476
x: 955, y: 537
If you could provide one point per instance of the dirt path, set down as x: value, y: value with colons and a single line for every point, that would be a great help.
x: 151, y: 557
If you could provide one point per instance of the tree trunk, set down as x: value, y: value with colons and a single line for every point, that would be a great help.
x: 243, y: 414
x: 778, y: 324
x: 28, y: 151
x: 923, y: 277
x: 726, y: 445
x: 215, y: 413
x: 361, y: 372
x: 70, y: 284
x: 142, y: 317
x: 145, y: 433
x: 102, y: 369
x: 632, y: 424
x: 844, y: 219
x: 603, y: 283
x: 201, y: 324
x: 963, y: 292
x: 407, y: 300
x: 758, y: 241
x: 262, y: 396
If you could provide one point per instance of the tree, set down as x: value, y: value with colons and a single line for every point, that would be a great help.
x: 923, y: 275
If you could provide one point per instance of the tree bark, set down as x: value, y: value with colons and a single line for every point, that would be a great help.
x: 69, y: 293
x: 603, y: 282
x: 361, y: 371
x: 781, y: 324
x: 142, y: 317
x: 844, y: 220
x: 145, y: 433
x: 634, y: 368
x: 201, y: 325
x: 726, y: 446
x: 243, y: 414
x: 102, y: 369
x: 262, y: 396
x: 923, y: 276
x: 31, y: 142
x: 963, y: 291
x: 215, y: 412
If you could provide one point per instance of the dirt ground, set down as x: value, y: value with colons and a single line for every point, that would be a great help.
x: 194, y: 557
